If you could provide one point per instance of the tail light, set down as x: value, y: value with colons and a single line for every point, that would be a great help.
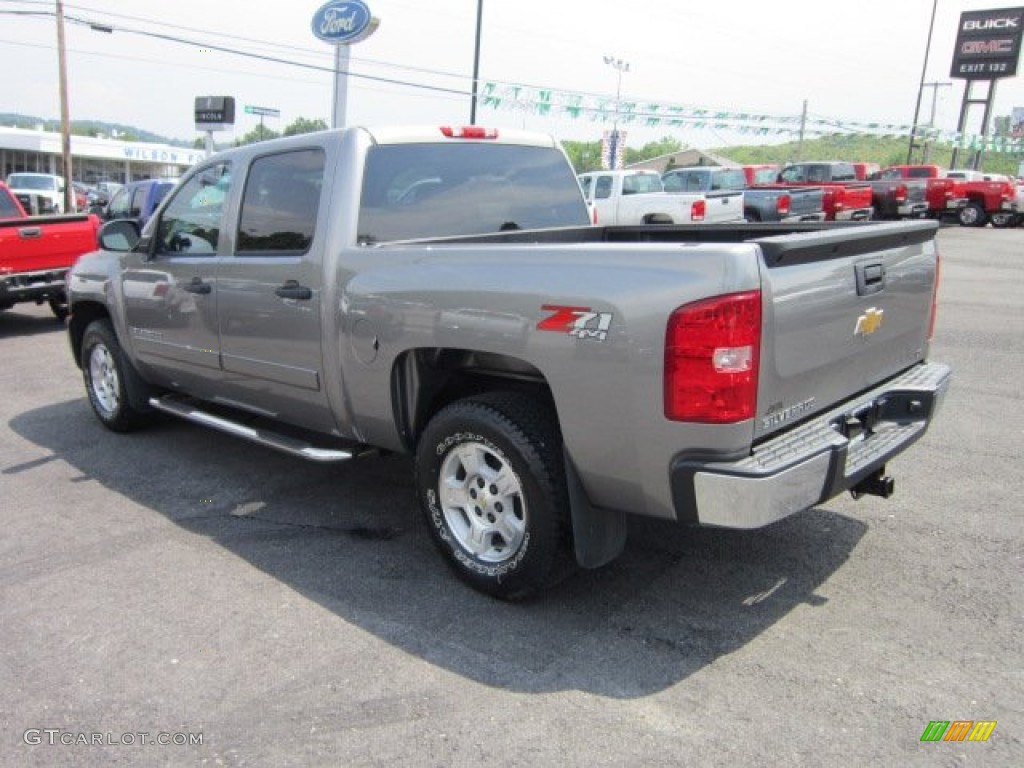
x: 935, y: 297
x: 593, y: 215
x: 784, y: 205
x: 712, y: 352
x: 699, y: 210
x: 901, y: 193
x: 838, y: 203
x: 469, y: 132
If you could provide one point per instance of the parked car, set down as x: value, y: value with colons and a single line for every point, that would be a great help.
x: 946, y: 196
x: 758, y: 203
x: 38, y: 193
x: 547, y: 381
x: 987, y: 200
x: 138, y: 200
x: 638, y: 197
x: 893, y: 198
x: 846, y: 199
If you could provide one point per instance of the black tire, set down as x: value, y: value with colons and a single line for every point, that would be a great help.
x: 59, y: 307
x: 491, y: 482
x: 973, y: 215
x: 117, y: 393
x: 1003, y: 220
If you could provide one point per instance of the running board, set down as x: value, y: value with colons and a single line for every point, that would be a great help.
x: 186, y: 410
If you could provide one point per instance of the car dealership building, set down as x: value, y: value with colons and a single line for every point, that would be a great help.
x: 92, y: 159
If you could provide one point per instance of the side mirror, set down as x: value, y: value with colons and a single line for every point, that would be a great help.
x: 119, y: 235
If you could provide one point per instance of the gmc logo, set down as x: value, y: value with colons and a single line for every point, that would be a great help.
x: 986, y: 47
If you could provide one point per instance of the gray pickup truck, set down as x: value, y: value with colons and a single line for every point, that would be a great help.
x: 441, y: 293
x: 776, y: 203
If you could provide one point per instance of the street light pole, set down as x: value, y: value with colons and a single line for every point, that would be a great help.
x: 920, y: 90
x: 65, y: 121
x: 613, y: 150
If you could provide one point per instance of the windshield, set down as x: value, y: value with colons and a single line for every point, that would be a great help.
x: 413, y: 191
x: 31, y: 181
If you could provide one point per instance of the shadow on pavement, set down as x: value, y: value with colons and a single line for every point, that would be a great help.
x: 350, y: 538
x: 14, y: 323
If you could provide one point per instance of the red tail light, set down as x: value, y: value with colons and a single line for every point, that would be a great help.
x: 699, y: 210
x: 783, y: 206
x: 712, y: 352
x: 838, y: 201
x: 901, y: 193
x: 469, y: 132
x: 935, y: 298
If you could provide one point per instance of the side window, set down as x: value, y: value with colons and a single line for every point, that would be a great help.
x: 138, y: 199
x: 117, y: 208
x: 603, y: 187
x: 673, y: 182
x: 586, y: 182
x: 280, y: 204
x: 191, y: 222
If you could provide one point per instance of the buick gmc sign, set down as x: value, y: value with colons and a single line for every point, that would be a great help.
x: 343, y: 22
x: 988, y: 44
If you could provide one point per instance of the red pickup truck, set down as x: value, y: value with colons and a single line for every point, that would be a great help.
x: 946, y: 196
x: 36, y: 252
x: 846, y: 198
x: 987, y: 199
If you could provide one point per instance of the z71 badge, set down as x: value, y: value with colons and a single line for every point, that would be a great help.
x: 580, y: 322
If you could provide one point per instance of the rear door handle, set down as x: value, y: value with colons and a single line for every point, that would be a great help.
x: 292, y: 290
x: 30, y: 233
x: 198, y: 286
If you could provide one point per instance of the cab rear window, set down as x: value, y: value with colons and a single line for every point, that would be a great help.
x: 414, y: 191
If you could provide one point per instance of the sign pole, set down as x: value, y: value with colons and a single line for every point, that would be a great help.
x: 342, y: 57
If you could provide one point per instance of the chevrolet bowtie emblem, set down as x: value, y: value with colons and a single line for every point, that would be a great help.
x: 869, y: 322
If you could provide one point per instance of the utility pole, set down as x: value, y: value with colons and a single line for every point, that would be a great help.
x: 65, y: 121
x: 476, y: 61
x: 803, y: 127
x: 931, y: 120
x: 924, y: 70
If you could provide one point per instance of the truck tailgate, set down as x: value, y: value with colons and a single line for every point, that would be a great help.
x: 723, y: 206
x: 844, y: 309
x: 45, y: 242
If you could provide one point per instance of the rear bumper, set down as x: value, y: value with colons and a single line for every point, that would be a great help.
x: 854, y: 214
x: 817, y: 216
x: 913, y: 209
x: 816, y: 460
x: 31, y: 286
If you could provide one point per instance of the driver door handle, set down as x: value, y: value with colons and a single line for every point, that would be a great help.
x: 292, y: 290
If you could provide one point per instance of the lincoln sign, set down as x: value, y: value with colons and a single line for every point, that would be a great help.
x: 988, y: 44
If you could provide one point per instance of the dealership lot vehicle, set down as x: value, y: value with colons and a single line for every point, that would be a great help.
x: 294, y: 613
x: 309, y: 306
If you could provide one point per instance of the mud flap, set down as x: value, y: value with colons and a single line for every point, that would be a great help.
x: 599, y: 534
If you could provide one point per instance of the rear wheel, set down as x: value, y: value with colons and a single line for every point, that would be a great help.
x: 491, y: 482
x: 973, y: 215
x: 116, y: 392
x: 1002, y: 220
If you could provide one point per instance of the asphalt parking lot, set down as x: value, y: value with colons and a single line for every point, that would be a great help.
x: 181, y: 586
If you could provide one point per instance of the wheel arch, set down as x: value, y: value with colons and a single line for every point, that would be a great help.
x: 426, y: 379
x: 84, y: 313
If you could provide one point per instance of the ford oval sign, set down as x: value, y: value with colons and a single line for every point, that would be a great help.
x: 343, y: 22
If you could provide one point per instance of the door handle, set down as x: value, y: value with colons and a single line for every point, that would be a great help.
x: 30, y: 233
x: 198, y: 286
x: 870, y: 278
x: 292, y: 290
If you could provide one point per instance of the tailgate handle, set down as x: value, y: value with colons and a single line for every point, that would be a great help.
x: 870, y: 278
x: 28, y: 233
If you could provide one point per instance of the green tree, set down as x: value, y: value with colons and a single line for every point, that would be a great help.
x: 258, y: 133
x: 305, y: 125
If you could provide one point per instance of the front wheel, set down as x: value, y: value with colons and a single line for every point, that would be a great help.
x: 973, y: 215
x: 491, y: 482
x: 116, y: 392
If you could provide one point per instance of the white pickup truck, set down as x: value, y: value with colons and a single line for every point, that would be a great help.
x: 639, y: 197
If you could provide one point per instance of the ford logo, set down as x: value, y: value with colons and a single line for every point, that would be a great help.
x: 343, y: 21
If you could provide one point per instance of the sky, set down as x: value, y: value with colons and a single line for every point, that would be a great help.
x: 729, y: 66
